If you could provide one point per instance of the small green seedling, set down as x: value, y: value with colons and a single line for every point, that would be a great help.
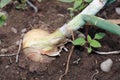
x: 78, y: 5
x: 92, y: 43
x: 22, y: 4
x: 3, y: 18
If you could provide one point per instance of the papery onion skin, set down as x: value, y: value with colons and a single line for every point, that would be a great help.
x: 33, y: 36
x: 38, y: 45
x: 36, y: 56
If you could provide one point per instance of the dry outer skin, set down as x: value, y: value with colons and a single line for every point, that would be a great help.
x: 35, y: 53
x: 39, y: 44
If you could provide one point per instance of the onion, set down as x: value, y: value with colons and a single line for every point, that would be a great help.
x: 38, y: 44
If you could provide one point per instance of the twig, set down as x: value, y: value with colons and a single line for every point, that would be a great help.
x: 14, y: 54
x: 7, y: 55
x: 10, y: 59
x: 92, y: 78
x: 67, y: 65
x: 68, y: 60
x: 33, y: 6
x: 19, y: 48
x: 111, y: 52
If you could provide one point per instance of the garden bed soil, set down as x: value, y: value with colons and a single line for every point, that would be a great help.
x: 52, y: 15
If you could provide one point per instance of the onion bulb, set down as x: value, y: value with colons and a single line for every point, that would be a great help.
x: 38, y: 45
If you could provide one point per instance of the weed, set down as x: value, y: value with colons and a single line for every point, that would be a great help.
x: 92, y: 43
x: 3, y: 17
x: 78, y: 5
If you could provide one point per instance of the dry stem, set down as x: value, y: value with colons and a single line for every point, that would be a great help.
x: 67, y: 65
x: 68, y: 60
x: 110, y: 52
x: 14, y: 54
x: 19, y: 48
x: 92, y: 78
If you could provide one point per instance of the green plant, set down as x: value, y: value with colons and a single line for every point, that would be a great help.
x: 3, y: 18
x: 41, y: 46
x: 22, y: 4
x: 92, y: 43
x: 38, y: 44
x: 78, y: 5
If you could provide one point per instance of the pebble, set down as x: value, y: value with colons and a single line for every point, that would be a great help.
x: 7, y: 66
x: 4, y: 50
x: 14, y: 30
x: 117, y: 10
x: 117, y: 59
x: 106, y: 65
x: 17, y: 42
x: 23, y: 30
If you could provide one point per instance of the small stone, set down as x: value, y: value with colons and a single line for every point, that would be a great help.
x: 7, y: 66
x: 61, y: 15
x: 23, y: 30
x: 17, y: 42
x: 17, y: 72
x: 106, y: 65
x: 117, y: 10
x: 36, y: 78
x: 5, y: 24
x: 14, y: 30
x: 61, y: 71
x: 4, y: 50
x: 64, y: 64
x: 119, y: 59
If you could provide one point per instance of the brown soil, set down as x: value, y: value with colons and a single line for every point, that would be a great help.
x: 52, y: 15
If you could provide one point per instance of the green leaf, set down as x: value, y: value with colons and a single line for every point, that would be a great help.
x: 99, y: 35
x: 89, y: 49
x: 79, y: 41
x: 95, y: 44
x: 3, y: 17
x: 82, y: 6
x: 68, y: 1
x: 71, y: 9
x: 88, y: 1
x: 21, y: 6
x: 4, y: 3
x: 2, y: 14
x: 89, y: 38
x: 77, y: 3
x: 1, y: 22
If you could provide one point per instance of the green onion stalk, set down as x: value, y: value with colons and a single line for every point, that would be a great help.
x: 101, y: 23
x: 41, y: 46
